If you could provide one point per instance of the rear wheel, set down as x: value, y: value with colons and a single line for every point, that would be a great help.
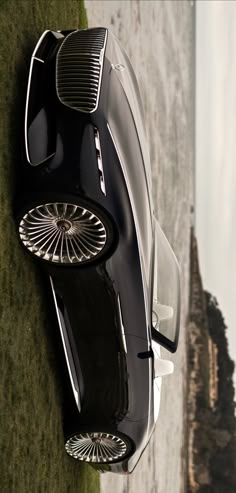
x: 98, y: 448
x: 65, y: 232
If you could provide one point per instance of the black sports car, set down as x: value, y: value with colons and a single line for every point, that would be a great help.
x: 84, y: 210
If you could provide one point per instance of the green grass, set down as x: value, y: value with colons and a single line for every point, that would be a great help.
x: 31, y: 438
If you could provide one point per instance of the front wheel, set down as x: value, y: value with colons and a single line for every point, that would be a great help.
x: 66, y: 233
x: 98, y: 448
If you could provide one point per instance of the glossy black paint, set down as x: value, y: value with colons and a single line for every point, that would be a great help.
x: 116, y: 387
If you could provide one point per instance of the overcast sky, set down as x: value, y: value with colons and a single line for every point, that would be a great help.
x: 216, y: 154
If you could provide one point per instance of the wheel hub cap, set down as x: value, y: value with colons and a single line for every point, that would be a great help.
x: 63, y: 225
x: 62, y: 233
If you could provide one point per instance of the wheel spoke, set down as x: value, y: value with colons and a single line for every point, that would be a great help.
x: 92, y: 238
x: 56, y: 245
x: 56, y: 238
x: 43, y: 234
x: 73, y: 249
x: 61, y: 248
x: 68, y: 250
x: 74, y: 209
x: 55, y: 209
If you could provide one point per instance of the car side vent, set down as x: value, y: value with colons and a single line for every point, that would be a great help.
x: 99, y: 160
x: 79, y: 69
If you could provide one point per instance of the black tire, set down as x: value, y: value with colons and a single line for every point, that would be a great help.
x: 66, y: 231
x: 106, y: 447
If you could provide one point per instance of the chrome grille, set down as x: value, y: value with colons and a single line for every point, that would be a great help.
x: 79, y: 69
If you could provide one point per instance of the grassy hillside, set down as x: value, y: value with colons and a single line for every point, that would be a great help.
x: 32, y: 448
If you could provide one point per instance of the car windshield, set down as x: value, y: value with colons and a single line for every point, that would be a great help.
x: 166, y: 289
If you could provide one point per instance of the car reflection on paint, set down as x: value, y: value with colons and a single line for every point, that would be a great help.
x: 84, y: 211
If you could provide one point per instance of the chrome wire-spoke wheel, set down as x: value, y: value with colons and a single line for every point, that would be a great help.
x: 63, y: 233
x: 96, y: 447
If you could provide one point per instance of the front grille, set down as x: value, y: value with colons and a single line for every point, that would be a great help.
x: 79, y: 69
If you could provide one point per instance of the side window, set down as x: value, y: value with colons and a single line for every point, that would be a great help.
x: 166, y: 293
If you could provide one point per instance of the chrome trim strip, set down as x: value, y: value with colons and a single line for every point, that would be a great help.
x: 38, y: 59
x: 28, y: 91
x: 67, y: 351
x: 40, y: 41
x: 157, y: 381
x: 99, y: 160
x: 121, y: 324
